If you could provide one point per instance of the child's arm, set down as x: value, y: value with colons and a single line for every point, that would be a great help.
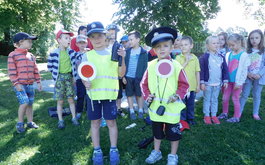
x: 37, y: 75
x: 12, y: 70
x: 50, y: 63
x: 198, y: 81
x: 183, y: 85
x: 122, y: 68
x: 262, y: 67
x: 144, y: 86
x: 202, y: 72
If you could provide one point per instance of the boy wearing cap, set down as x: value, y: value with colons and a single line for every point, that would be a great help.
x: 164, y: 94
x: 136, y: 61
x: 125, y: 41
x: 103, y: 91
x: 191, y: 66
x: 61, y: 63
x: 23, y: 72
x: 81, y: 42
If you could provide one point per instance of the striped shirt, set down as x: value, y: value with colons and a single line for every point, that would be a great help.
x: 22, y: 67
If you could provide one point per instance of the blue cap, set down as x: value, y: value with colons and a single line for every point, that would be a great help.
x: 95, y: 27
x: 112, y: 27
x: 159, y: 35
x: 23, y: 36
x: 124, y: 38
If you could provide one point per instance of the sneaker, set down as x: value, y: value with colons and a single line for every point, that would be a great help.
x: 207, y: 120
x: 97, y: 158
x: 75, y: 121
x: 172, y: 159
x: 215, y: 120
x: 256, y: 117
x: 61, y: 124
x: 32, y: 125
x: 78, y: 116
x: 20, y: 127
x: 153, y: 157
x: 140, y: 115
x: 132, y: 116
x: 233, y: 120
x: 114, y: 157
x: 223, y: 116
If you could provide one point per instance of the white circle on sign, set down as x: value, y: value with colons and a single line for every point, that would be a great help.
x: 87, y: 71
x: 164, y: 68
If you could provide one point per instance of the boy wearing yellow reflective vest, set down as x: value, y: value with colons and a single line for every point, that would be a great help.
x: 103, y: 91
x: 164, y: 92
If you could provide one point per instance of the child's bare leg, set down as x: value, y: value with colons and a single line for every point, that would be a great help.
x: 72, y: 106
x: 130, y: 102
x: 157, y: 143
x: 118, y: 102
x: 21, y: 112
x: 95, y: 125
x: 29, y: 113
x: 60, y: 109
x: 174, y: 147
x: 140, y: 101
x: 113, y: 132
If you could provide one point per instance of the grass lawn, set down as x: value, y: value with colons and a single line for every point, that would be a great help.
x: 241, y: 143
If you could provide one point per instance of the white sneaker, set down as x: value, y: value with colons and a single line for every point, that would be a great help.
x: 153, y: 157
x: 172, y: 159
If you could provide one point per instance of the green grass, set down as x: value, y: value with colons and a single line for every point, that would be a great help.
x: 241, y: 143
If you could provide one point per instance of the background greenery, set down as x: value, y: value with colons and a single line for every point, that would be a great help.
x: 241, y: 143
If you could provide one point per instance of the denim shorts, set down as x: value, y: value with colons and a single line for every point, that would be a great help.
x: 107, y: 108
x: 26, y: 96
x: 64, y: 86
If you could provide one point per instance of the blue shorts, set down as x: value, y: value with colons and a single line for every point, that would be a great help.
x: 106, y: 108
x: 26, y: 96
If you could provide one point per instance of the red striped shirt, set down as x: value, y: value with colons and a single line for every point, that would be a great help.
x: 22, y: 67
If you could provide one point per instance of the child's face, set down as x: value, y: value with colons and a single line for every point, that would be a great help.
x: 81, y: 45
x: 98, y: 40
x: 133, y: 41
x: 25, y: 44
x: 125, y: 44
x: 185, y: 46
x: 64, y: 40
x: 255, y: 39
x: 213, y: 45
x: 83, y: 32
x: 221, y: 41
x: 234, y: 45
x: 177, y: 43
x: 163, y: 49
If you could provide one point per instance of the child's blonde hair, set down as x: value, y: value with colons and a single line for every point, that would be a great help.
x: 238, y: 38
x: 208, y: 39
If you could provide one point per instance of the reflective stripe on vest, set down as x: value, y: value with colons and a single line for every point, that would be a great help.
x: 106, y: 85
x: 172, y: 110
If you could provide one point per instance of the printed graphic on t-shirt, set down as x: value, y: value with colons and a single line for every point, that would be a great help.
x: 255, y: 59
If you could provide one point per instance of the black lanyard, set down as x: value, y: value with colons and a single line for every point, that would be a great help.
x: 161, y: 98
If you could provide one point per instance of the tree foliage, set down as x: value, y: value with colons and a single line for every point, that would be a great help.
x: 37, y: 17
x: 187, y: 16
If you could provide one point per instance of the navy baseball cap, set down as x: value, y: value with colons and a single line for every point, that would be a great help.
x: 95, y: 27
x: 113, y: 27
x: 23, y: 36
x: 160, y: 34
x: 124, y: 38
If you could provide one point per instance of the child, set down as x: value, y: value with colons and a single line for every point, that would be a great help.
x: 136, y: 62
x: 82, y: 30
x: 61, y: 63
x: 177, y: 49
x: 223, y: 43
x: 256, y: 70
x: 125, y: 41
x: 191, y: 66
x: 23, y: 72
x: 214, y: 74
x: 103, y: 91
x: 238, y: 62
x: 81, y: 42
x: 165, y: 92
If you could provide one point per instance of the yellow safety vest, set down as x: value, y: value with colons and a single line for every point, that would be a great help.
x: 106, y: 85
x: 172, y: 112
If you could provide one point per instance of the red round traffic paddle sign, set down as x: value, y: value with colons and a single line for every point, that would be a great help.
x: 164, y: 68
x: 87, y: 71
